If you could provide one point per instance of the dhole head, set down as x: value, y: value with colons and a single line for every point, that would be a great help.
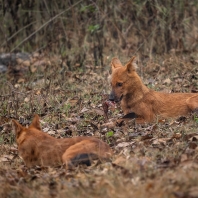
x: 123, y: 78
x: 20, y: 131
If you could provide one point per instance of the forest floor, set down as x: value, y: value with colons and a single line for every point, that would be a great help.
x: 150, y: 160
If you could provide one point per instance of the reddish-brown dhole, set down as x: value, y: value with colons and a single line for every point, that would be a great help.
x: 39, y: 148
x: 148, y: 105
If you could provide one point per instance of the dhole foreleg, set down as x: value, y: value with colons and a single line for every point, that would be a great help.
x: 147, y: 114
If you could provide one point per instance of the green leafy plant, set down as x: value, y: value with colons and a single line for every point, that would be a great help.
x: 93, y: 28
x: 109, y: 134
x: 196, y: 118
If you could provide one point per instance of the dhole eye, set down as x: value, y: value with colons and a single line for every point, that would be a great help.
x: 119, y: 84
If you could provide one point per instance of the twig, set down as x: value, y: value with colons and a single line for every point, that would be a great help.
x: 5, y: 95
x: 13, y: 90
x: 6, y: 40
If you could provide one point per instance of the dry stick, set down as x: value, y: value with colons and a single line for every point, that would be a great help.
x: 14, y: 100
x: 45, y: 25
x: 5, y: 95
x: 13, y: 90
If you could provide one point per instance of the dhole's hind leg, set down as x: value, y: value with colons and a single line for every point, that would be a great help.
x: 84, y: 152
x: 192, y: 103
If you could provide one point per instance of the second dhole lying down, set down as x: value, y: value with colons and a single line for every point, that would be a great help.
x: 39, y: 148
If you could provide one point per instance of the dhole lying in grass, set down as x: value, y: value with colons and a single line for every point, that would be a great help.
x: 39, y: 148
x: 143, y: 103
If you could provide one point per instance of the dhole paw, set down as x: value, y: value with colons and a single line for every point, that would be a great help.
x: 130, y: 115
x: 140, y: 121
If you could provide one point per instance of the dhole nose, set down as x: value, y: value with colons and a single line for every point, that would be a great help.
x: 112, y: 96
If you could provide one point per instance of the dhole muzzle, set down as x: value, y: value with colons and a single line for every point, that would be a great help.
x: 115, y: 97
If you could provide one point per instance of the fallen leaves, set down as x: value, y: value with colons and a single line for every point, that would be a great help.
x: 6, y: 158
x: 150, y: 160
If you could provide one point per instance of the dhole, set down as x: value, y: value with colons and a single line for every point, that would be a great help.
x: 147, y: 105
x: 39, y: 148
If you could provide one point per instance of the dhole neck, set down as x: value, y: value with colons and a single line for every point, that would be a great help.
x: 141, y: 88
x: 137, y: 94
x: 145, y: 89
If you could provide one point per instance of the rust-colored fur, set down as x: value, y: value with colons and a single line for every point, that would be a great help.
x: 39, y: 148
x: 147, y: 104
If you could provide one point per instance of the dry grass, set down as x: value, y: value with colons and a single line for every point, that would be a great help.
x: 78, y: 30
x: 67, y: 86
x: 151, y: 160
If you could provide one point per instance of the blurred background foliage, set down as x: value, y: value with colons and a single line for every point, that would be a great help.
x: 88, y: 29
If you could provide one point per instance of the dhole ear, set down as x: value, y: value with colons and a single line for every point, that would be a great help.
x: 36, y: 123
x: 115, y: 62
x: 131, y: 65
x: 17, y: 128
